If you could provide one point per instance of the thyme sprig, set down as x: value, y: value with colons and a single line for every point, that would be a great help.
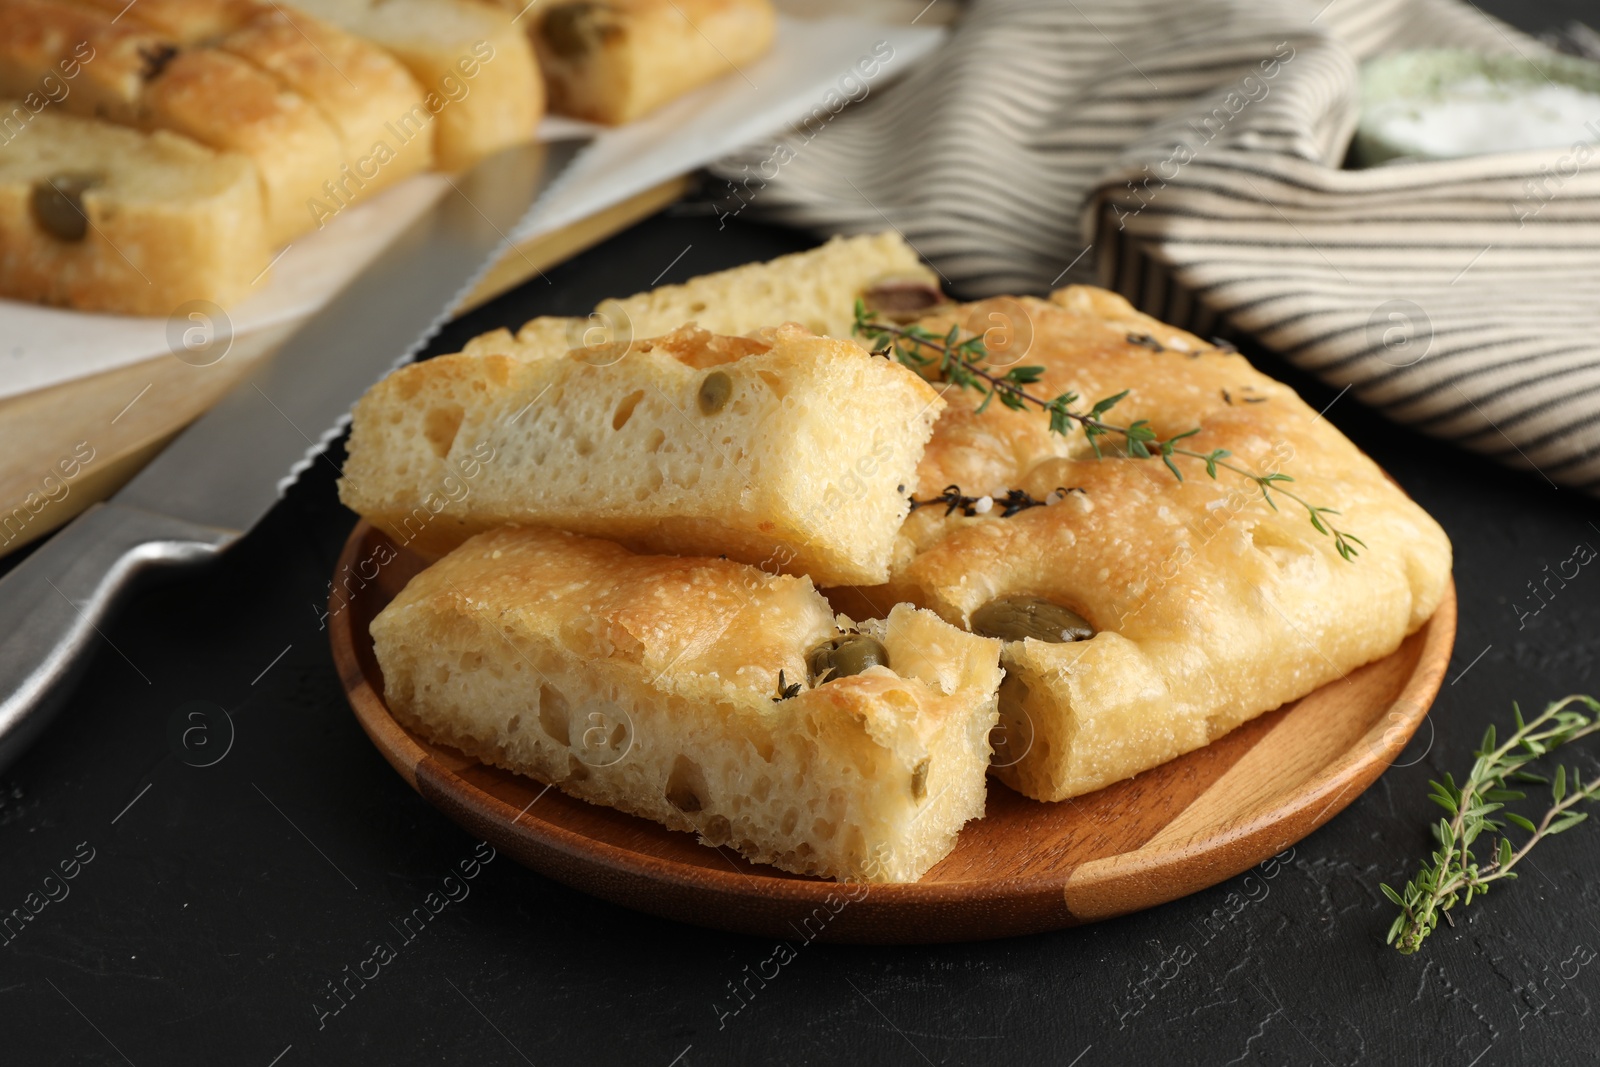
x: 1478, y: 806
x: 964, y: 363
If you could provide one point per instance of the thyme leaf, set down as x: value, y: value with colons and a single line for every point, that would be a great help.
x: 965, y: 364
x: 1453, y: 874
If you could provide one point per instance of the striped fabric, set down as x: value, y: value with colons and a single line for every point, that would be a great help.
x: 1187, y: 153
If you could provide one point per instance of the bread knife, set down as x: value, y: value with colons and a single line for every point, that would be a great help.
x: 221, y: 475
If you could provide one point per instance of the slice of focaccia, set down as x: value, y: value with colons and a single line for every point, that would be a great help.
x: 1170, y: 612
x: 704, y: 694
x: 791, y: 450
x: 305, y: 101
x: 481, y: 85
x: 611, y: 61
x: 817, y: 288
x: 93, y: 216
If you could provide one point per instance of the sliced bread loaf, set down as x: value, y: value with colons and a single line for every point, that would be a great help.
x: 653, y: 684
x: 614, y: 61
x: 481, y: 85
x: 94, y: 216
x: 794, y: 451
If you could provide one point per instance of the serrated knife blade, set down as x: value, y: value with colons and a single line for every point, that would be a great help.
x: 222, y: 474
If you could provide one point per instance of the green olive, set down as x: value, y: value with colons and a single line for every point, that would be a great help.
x: 573, y: 30
x: 919, y: 780
x: 1011, y: 618
x: 902, y: 299
x: 714, y: 393
x: 844, y: 656
x: 57, y: 204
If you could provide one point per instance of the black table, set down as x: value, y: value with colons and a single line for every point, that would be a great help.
x: 214, y: 909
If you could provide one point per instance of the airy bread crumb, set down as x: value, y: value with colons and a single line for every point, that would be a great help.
x: 647, y: 683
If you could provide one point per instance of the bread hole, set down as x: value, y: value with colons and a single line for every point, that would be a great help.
x: 653, y: 443
x: 761, y: 791
x: 470, y: 661
x: 513, y: 724
x: 775, y: 382
x: 791, y: 819
x: 686, y: 786
x: 717, y: 830
x: 440, y: 426
x: 824, y: 829
x: 697, y: 307
x: 576, y: 771
x: 900, y: 700
x: 624, y: 412
x: 553, y: 710
x: 583, y: 446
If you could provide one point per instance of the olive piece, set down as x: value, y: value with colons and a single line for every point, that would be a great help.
x: 57, y: 205
x: 1011, y: 618
x: 902, y: 299
x: 844, y: 656
x: 572, y: 30
x: 714, y: 393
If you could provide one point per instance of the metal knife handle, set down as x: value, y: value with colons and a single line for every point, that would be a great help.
x: 52, y: 603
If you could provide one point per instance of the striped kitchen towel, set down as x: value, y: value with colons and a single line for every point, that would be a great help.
x: 1188, y: 154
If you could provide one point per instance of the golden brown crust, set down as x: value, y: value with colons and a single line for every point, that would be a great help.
x: 616, y: 60
x: 168, y: 221
x: 1210, y: 607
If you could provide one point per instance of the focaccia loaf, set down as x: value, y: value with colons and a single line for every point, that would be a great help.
x: 1209, y: 607
x: 789, y: 450
x: 611, y: 61
x: 308, y: 104
x: 94, y: 216
x: 648, y: 683
x: 304, y: 100
x: 817, y: 288
x: 481, y: 85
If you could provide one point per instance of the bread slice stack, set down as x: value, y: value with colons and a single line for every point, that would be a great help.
x: 322, y: 117
x: 626, y: 608
x: 678, y: 689
x: 612, y: 62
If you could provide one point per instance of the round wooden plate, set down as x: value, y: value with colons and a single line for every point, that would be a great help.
x: 1023, y: 868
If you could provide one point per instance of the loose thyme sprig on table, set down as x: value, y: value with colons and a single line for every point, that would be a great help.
x: 1454, y: 875
x: 962, y: 363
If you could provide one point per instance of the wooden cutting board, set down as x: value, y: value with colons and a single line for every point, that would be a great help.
x: 1025, y: 867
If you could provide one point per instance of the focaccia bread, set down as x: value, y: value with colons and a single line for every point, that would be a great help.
x: 305, y: 101
x: 611, y: 61
x: 680, y: 690
x: 94, y: 216
x: 481, y: 84
x: 817, y: 288
x: 789, y: 450
x: 1207, y: 607
x: 306, y: 104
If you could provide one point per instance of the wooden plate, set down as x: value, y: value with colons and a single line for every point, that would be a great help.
x: 1024, y: 867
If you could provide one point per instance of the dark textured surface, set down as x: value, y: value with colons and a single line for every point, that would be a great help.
x: 217, y: 908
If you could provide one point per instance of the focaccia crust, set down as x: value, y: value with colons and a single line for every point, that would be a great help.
x: 1209, y: 606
